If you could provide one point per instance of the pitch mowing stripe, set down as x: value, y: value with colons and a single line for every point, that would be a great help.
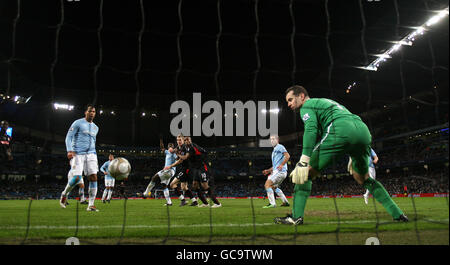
x: 42, y: 227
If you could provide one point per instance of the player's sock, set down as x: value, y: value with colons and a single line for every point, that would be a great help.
x: 281, y: 195
x: 367, y: 193
x: 70, y: 185
x: 167, y: 196
x: 202, y: 195
x: 301, y: 195
x: 105, y: 193
x: 110, y: 191
x: 189, y: 194
x: 179, y: 193
x: 382, y: 196
x: 92, y: 192
x: 212, y: 195
x: 270, y: 196
x: 194, y: 195
x: 149, y: 187
x: 67, y: 190
x: 81, y: 193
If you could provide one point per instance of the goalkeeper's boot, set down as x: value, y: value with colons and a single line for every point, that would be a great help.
x: 288, y: 220
x: 63, y: 201
x: 269, y: 206
x: 402, y: 218
x: 183, y: 203
x: 285, y: 204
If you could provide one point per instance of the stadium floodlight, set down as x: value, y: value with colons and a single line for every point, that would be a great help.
x: 276, y: 111
x: 408, y: 40
x: 383, y: 55
x: 59, y: 106
x: 435, y: 19
x: 16, y: 99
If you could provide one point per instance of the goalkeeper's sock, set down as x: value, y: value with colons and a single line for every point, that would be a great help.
x: 270, y: 196
x: 382, y: 196
x: 367, y: 193
x: 301, y: 195
x: 281, y: 195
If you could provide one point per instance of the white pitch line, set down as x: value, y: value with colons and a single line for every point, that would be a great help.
x: 43, y: 227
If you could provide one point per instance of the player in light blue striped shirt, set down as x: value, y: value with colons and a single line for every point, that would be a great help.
x: 109, y: 180
x: 278, y: 173
x: 164, y: 175
x: 80, y: 145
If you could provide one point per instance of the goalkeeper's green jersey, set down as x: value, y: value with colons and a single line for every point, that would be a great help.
x: 317, y: 114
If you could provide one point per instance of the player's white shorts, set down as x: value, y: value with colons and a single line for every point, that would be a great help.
x: 84, y: 163
x: 277, y: 177
x: 109, y: 182
x: 372, y: 172
x: 166, y: 175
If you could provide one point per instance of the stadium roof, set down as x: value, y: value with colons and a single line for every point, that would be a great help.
x: 102, y: 52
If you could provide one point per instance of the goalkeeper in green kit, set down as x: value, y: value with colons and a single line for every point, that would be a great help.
x: 340, y: 133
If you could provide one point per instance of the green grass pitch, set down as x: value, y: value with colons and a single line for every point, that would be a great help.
x: 239, y: 221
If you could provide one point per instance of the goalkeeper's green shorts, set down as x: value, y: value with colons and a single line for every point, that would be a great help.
x: 349, y: 136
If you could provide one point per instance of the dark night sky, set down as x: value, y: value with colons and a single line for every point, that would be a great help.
x: 114, y: 84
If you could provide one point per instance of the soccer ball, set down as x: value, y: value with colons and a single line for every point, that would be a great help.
x: 119, y: 168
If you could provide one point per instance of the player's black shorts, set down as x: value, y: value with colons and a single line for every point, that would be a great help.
x: 183, y: 175
x: 200, y: 174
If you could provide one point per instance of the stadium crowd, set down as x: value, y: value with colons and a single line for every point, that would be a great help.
x: 418, y: 162
x: 418, y: 180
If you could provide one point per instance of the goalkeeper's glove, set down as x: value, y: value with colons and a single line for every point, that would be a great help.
x: 349, y: 166
x: 300, y: 173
